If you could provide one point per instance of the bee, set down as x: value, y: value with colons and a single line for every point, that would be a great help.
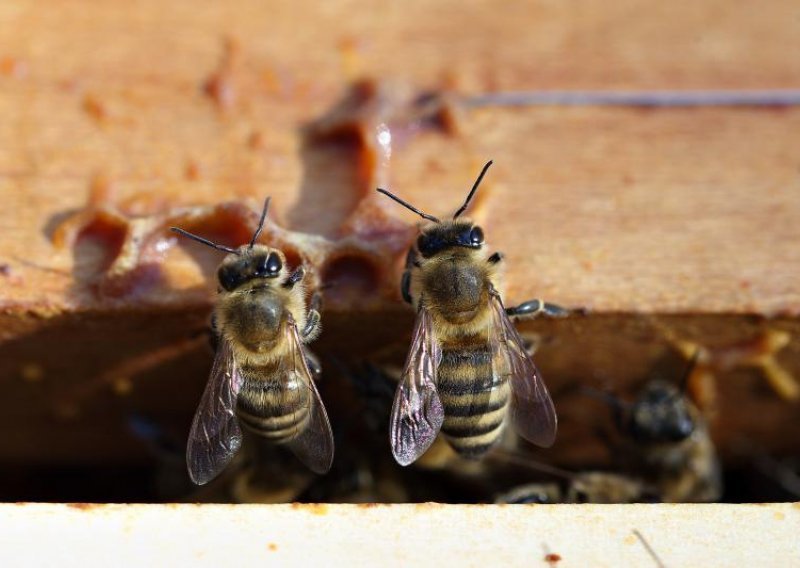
x: 531, y: 493
x: 262, y: 377
x: 609, y: 488
x: 574, y: 487
x: 586, y: 487
x: 267, y: 475
x: 674, y: 445
x: 669, y: 440
x: 467, y: 363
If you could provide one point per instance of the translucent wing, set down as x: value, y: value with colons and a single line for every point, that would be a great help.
x: 417, y: 412
x: 215, y: 436
x: 532, y: 409
x: 314, y: 444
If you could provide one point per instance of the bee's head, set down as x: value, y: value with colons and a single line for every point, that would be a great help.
x: 540, y: 494
x: 441, y: 236
x: 247, y: 264
x: 660, y: 414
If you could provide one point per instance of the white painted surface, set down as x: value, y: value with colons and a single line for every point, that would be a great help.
x: 393, y: 535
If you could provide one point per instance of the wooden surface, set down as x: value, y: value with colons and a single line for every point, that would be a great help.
x: 120, y: 93
x: 422, y: 535
x: 683, y: 216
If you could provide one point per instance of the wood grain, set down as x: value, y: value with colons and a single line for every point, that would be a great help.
x: 690, y: 215
x: 587, y: 535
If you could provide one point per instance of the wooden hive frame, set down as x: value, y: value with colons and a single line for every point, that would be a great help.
x: 673, y: 227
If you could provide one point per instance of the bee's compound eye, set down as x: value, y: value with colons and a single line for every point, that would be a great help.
x: 230, y: 277
x: 274, y: 264
x: 476, y: 236
x: 684, y: 428
x: 424, y: 245
x: 262, y: 265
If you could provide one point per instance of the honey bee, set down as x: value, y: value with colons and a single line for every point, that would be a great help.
x: 467, y: 362
x: 262, y: 376
x: 670, y: 442
x: 609, y: 488
x: 674, y: 445
x: 267, y: 475
x: 585, y: 487
x: 575, y: 487
x: 531, y: 493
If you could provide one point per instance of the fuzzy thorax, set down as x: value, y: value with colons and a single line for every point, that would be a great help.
x: 253, y: 316
x: 454, y: 286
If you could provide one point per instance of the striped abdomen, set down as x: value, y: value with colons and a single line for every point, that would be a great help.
x: 273, y: 402
x: 474, y: 400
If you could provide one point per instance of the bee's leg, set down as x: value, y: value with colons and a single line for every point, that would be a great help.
x: 531, y: 343
x: 495, y: 258
x: 213, y: 333
x: 405, y: 283
x: 536, y: 308
x: 313, y: 319
x: 405, y: 286
x: 313, y: 365
x: 294, y: 277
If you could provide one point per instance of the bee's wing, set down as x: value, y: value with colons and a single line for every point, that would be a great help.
x: 314, y: 445
x: 215, y: 436
x: 532, y: 409
x: 417, y: 412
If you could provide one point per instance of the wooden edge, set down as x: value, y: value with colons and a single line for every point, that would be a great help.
x: 423, y: 534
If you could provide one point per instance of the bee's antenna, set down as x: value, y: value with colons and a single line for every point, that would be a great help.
x: 514, y: 458
x: 613, y: 401
x: 688, y: 372
x: 202, y: 240
x: 260, y: 223
x: 407, y: 205
x: 473, y: 190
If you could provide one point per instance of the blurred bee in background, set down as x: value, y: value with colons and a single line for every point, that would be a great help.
x: 574, y: 487
x: 607, y: 487
x: 261, y: 473
x: 667, y: 438
x: 268, y: 474
x: 166, y: 450
x: 666, y: 447
x: 585, y: 487
x: 467, y: 363
x: 530, y: 494
x: 262, y: 375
